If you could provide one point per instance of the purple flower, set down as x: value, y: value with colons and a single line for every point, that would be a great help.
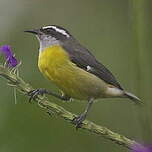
x: 139, y: 148
x: 10, y: 59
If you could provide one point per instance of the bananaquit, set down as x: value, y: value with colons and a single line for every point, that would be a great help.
x: 74, y: 70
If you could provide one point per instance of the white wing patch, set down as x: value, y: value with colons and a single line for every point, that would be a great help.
x: 58, y: 30
x: 88, y: 68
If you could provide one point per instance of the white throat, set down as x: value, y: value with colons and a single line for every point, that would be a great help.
x: 46, y: 42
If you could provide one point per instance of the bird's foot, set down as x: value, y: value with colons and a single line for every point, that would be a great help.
x: 77, y: 121
x: 34, y: 93
x: 50, y: 112
x: 66, y: 98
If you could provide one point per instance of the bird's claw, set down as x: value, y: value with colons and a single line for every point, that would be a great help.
x: 34, y: 93
x: 50, y: 112
x: 77, y: 121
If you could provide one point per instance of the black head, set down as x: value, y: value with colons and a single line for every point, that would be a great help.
x: 51, y: 35
x: 57, y: 32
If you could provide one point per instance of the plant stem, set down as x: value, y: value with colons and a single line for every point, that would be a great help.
x: 23, y: 87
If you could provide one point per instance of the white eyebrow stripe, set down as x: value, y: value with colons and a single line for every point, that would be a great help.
x: 58, y: 30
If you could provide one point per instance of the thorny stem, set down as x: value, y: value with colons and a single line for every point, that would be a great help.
x: 23, y: 87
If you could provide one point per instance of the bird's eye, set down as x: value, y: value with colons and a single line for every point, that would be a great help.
x: 48, y: 30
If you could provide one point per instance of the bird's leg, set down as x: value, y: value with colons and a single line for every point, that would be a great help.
x: 80, y: 118
x: 33, y: 94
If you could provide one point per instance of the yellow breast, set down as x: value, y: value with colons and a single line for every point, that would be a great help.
x: 51, y: 60
x: 54, y: 63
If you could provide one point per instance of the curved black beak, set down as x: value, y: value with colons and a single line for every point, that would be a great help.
x: 34, y: 31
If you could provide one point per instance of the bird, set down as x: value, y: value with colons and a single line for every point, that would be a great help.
x: 74, y: 70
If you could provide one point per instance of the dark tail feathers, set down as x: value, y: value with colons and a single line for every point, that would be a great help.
x: 133, y: 97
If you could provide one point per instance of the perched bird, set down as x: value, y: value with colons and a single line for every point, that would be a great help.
x: 75, y: 71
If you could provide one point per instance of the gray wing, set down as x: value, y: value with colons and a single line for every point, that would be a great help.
x: 86, y: 61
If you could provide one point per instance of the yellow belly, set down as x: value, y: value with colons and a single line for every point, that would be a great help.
x: 54, y: 63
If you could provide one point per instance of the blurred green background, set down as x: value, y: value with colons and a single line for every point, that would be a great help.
x: 119, y: 33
